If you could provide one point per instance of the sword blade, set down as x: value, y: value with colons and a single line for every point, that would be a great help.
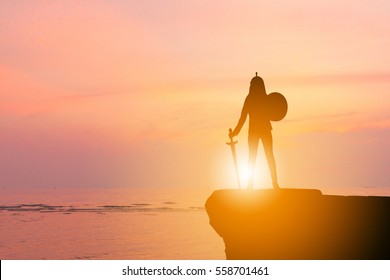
x: 233, y: 148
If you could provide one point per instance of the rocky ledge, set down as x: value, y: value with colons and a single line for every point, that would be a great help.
x: 300, y: 224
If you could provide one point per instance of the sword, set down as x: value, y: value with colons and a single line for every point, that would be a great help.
x: 233, y: 148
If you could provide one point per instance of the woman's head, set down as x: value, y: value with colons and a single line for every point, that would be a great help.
x: 257, y: 85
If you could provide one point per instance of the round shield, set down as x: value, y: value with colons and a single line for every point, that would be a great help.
x: 276, y: 106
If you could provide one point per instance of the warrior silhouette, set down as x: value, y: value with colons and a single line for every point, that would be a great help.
x: 256, y: 107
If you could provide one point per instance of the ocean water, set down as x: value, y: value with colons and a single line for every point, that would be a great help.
x: 114, y: 223
x: 106, y: 223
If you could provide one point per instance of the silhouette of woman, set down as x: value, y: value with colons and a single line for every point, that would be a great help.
x: 259, y: 128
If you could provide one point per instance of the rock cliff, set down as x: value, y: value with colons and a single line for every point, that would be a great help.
x: 300, y: 224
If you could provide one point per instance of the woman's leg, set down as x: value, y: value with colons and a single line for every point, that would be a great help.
x: 266, y: 138
x: 253, y: 143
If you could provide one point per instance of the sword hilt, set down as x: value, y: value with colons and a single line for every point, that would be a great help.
x: 231, y: 138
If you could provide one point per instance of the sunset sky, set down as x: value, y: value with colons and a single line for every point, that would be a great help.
x: 142, y: 93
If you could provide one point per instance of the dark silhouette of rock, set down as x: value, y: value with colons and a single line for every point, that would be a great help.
x: 300, y: 224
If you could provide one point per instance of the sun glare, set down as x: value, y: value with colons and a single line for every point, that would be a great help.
x: 244, y: 175
x: 260, y: 174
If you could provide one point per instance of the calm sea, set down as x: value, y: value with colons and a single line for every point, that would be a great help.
x: 113, y: 223
x: 106, y: 223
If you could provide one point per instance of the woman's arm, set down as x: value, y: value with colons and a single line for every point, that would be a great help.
x: 242, y: 119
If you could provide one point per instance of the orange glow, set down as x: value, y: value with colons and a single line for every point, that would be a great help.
x: 143, y: 94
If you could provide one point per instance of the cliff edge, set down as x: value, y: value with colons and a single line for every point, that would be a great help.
x: 300, y: 224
